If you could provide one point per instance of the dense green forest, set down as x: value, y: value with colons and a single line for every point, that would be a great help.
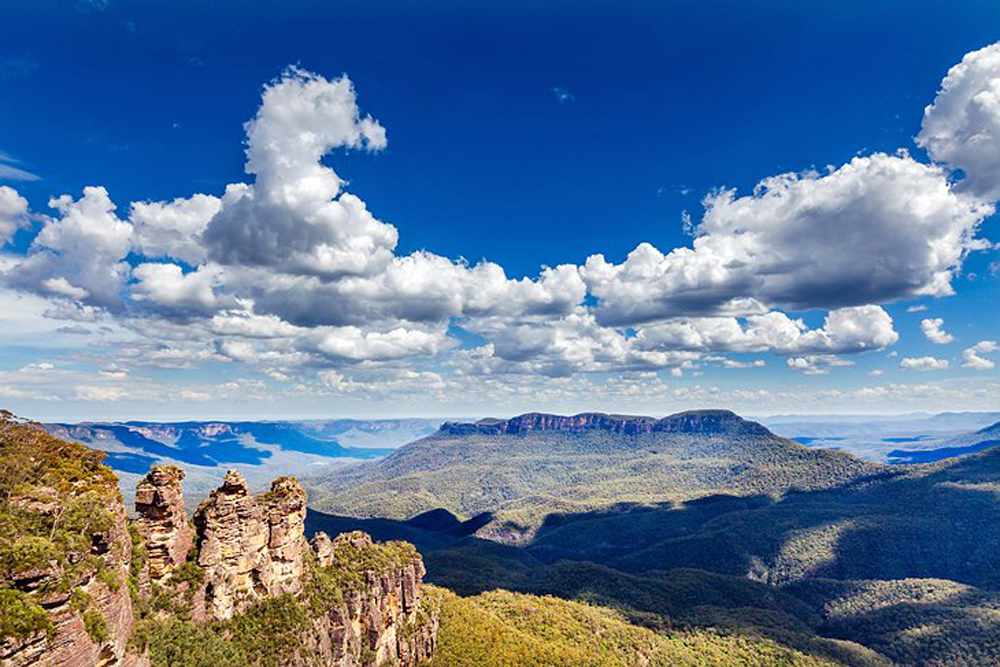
x: 504, y: 629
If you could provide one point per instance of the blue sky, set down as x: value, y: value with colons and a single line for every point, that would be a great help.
x: 539, y: 134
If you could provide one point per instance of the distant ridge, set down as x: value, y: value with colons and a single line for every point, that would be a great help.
x: 692, y: 421
x: 524, y: 469
x: 969, y: 443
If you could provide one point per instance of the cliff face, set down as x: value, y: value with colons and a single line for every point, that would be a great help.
x: 75, y: 638
x: 162, y: 521
x: 80, y: 587
x: 250, y: 548
x: 381, y: 622
x: 696, y: 421
x: 66, y: 552
x: 358, y: 603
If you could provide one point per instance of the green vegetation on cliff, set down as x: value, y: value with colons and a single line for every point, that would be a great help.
x: 56, y: 501
x: 267, y: 634
x: 271, y: 632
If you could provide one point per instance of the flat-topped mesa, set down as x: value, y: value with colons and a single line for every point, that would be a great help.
x: 709, y: 422
x: 250, y: 547
x: 162, y: 521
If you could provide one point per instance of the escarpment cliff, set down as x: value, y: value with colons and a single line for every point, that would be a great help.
x: 162, y: 521
x: 80, y: 585
x: 694, y: 421
x: 65, y: 554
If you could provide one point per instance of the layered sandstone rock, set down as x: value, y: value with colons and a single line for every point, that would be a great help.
x: 232, y: 537
x: 284, y: 509
x: 250, y: 547
x: 162, y: 521
x: 108, y: 605
x: 382, y: 621
x: 254, y: 547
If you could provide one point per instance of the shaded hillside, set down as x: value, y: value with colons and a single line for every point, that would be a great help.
x: 901, y: 561
x: 526, y: 468
x: 936, y: 521
x: 694, y: 601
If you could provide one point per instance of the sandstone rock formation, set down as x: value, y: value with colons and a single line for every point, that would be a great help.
x: 102, y: 592
x: 250, y: 548
x: 70, y: 643
x: 162, y: 521
x: 285, y: 514
x: 382, y: 620
x: 254, y: 547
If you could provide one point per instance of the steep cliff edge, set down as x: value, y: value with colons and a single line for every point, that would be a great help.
x: 80, y: 585
x: 64, y: 554
x: 705, y: 422
x: 254, y: 591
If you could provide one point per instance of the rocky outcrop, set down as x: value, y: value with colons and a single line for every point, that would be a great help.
x: 381, y: 621
x: 284, y: 509
x: 79, y: 589
x: 696, y: 421
x: 250, y: 548
x: 162, y: 521
x: 254, y: 547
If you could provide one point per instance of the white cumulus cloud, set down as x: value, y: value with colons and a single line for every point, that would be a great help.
x: 13, y: 213
x: 974, y: 356
x: 962, y: 126
x: 924, y: 364
x: 878, y: 229
x: 933, y: 328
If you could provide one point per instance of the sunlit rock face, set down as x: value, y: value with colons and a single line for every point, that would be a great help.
x: 382, y: 621
x: 284, y: 508
x: 162, y: 521
x: 106, y: 597
x: 232, y: 538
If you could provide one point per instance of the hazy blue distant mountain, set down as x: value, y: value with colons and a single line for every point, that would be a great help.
x: 259, y: 450
x: 928, y: 452
x: 879, y: 437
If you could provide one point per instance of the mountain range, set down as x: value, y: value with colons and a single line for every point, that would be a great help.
x: 534, y: 467
x: 700, y: 520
